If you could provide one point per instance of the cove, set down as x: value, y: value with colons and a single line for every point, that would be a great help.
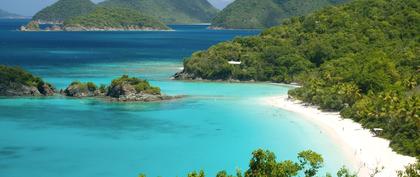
x: 215, y: 127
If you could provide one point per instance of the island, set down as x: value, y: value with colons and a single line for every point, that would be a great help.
x: 15, y: 81
x: 123, y: 89
x: 104, y: 19
x: 114, y: 19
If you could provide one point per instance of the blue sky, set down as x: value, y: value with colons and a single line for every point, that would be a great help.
x: 30, y: 7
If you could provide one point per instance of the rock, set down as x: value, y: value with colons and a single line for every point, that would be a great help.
x: 31, y: 26
x: 127, y: 93
x: 123, y: 90
x: 17, y: 89
x: 185, y: 76
x: 78, y: 89
x: 47, y: 90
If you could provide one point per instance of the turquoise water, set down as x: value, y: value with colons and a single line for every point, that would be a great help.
x: 215, y: 127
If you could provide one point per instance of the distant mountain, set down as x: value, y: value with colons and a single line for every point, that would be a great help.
x: 109, y: 19
x: 64, y: 9
x: 170, y: 11
x: 5, y: 14
x: 265, y: 13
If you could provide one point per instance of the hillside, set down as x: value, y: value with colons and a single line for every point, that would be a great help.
x: 5, y: 14
x: 170, y: 11
x: 103, y: 18
x: 242, y: 14
x: 361, y: 59
x: 63, y: 10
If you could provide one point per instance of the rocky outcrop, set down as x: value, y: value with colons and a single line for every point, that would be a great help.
x: 123, y: 89
x: 18, y: 89
x: 182, y: 75
x: 15, y: 81
x: 78, y: 89
x: 127, y: 93
x: 31, y: 26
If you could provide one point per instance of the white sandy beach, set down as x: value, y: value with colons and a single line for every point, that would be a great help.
x: 365, y: 151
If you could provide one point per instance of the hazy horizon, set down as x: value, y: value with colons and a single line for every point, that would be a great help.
x: 25, y: 8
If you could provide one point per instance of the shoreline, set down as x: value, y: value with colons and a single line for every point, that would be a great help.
x: 365, y: 151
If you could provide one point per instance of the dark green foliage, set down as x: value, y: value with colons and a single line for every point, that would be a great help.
x: 18, y: 75
x: 121, y: 18
x: 86, y: 87
x: 102, y: 88
x: 195, y: 174
x: 140, y: 85
x: 170, y: 11
x: 64, y: 9
x: 91, y: 86
x: 265, y: 13
x: 361, y: 58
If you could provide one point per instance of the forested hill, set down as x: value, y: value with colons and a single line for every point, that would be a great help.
x: 64, y: 9
x: 361, y: 58
x: 5, y: 14
x: 104, y: 18
x: 170, y: 11
x: 265, y: 13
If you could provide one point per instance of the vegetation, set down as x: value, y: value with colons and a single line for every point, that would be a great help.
x: 63, y: 10
x: 11, y: 77
x: 265, y: 13
x: 119, y: 18
x: 170, y: 11
x: 264, y: 164
x: 361, y: 59
x: 89, y: 86
x: 18, y: 75
x: 140, y: 85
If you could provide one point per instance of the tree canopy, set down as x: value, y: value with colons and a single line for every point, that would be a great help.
x: 360, y: 58
x: 265, y: 13
x: 120, y: 18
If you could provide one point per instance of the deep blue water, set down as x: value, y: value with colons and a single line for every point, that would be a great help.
x: 216, y: 127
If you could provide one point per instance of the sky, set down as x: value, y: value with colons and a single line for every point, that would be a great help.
x: 30, y: 7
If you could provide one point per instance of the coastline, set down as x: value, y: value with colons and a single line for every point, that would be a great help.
x: 365, y: 151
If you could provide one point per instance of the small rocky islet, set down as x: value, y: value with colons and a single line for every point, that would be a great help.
x: 123, y: 89
x: 15, y: 81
